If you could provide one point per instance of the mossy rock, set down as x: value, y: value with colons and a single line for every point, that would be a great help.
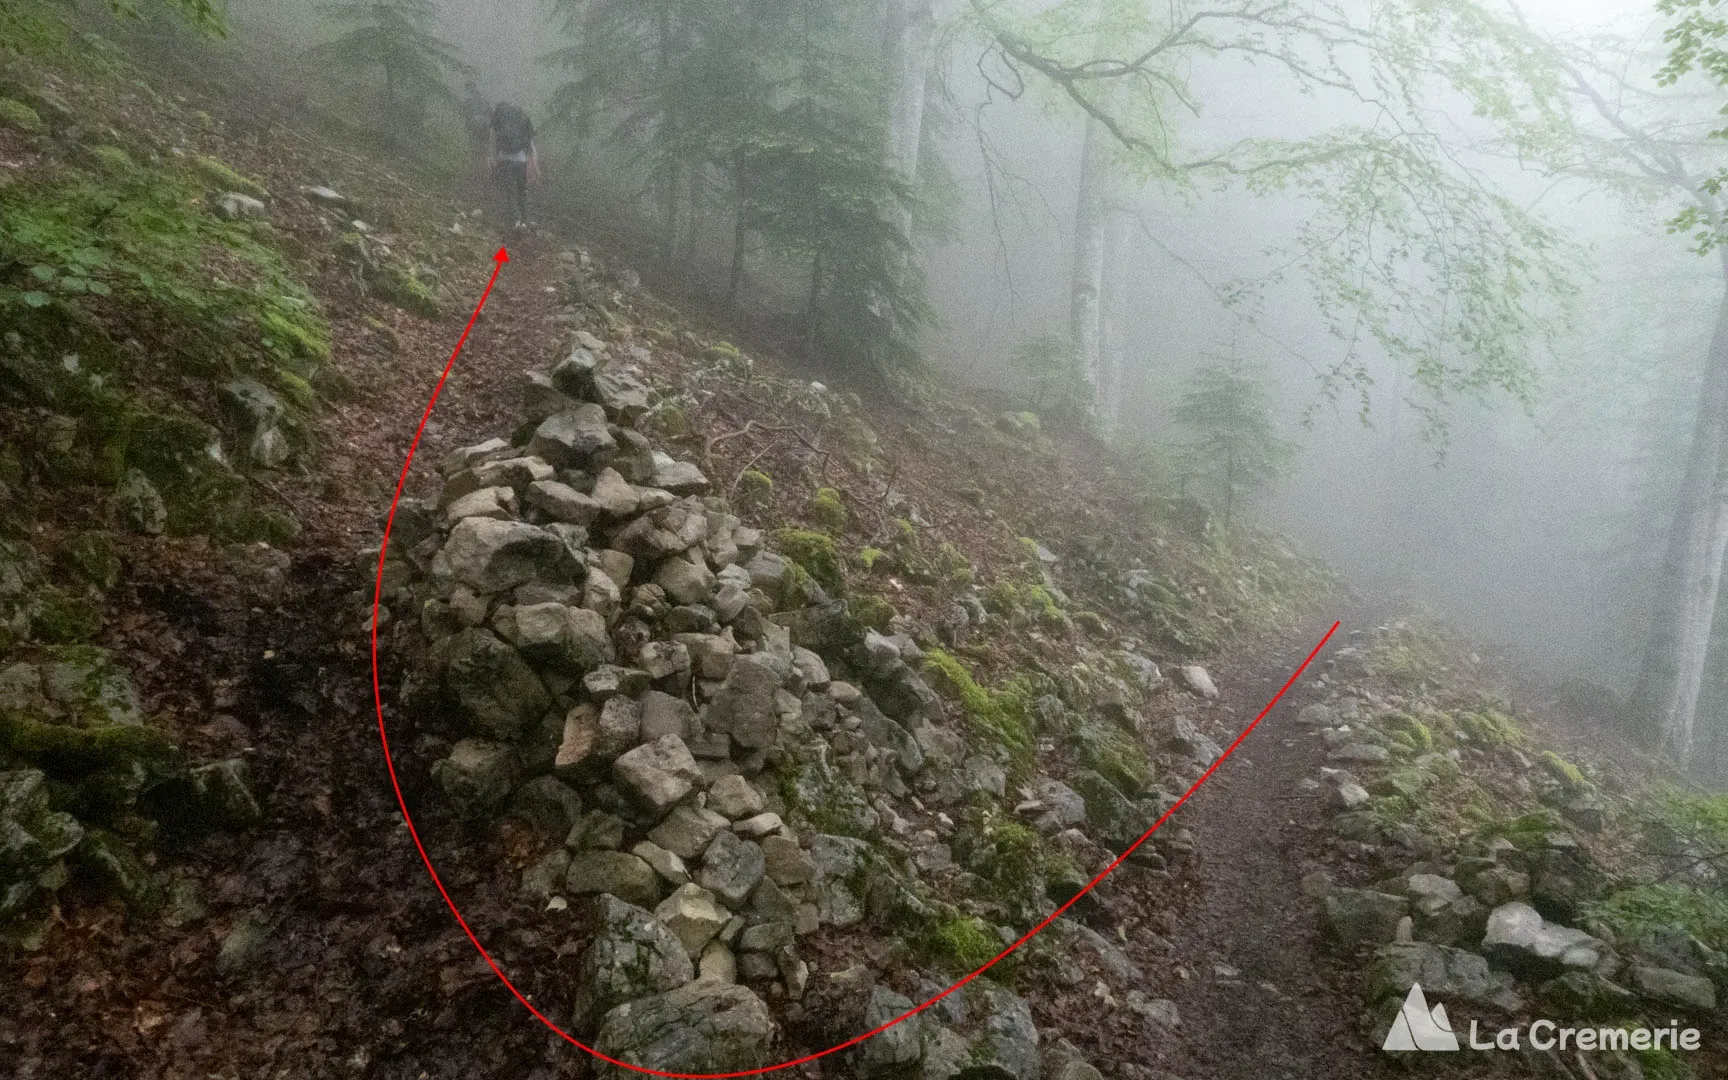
x: 94, y: 557
x: 1490, y: 727
x: 59, y: 618
x: 960, y: 944
x: 1569, y: 776
x: 1114, y: 754
x: 827, y: 510
x: 1406, y: 732
x: 222, y: 176
x: 815, y: 553
x: 112, y: 864
x: 400, y: 288
x: 872, y: 611
x: 16, y: 114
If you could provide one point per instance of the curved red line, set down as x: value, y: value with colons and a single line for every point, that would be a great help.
x: 378, y: 703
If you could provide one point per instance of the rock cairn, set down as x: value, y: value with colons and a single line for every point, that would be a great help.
x: 622, y: 664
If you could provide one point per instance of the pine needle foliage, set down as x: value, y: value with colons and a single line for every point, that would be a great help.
x: 396, y: 38
x: 1233, y: 449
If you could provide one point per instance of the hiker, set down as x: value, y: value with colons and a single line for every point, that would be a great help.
x: 517, y: 161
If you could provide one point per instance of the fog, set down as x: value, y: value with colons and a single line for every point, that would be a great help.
x: 1536, y: 524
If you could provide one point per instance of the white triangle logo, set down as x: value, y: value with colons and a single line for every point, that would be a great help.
x: 1415, y: 1028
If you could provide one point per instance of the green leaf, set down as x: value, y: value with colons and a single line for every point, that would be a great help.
x: 37, y: 299
x: 42, y: 272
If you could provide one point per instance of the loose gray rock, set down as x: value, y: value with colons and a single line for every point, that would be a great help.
x: 703, y: 1026
x: 745, y: 708
x: 548, y: 806
x: 663, y: 714
x: 570, y: 640
x: 630, y: 956
x: 694, y: 916
x: 495, y: 556
x: 489, y: 685
x: 785, y: 862
x: 577, y: 439
x: 1358, y: 917
x: 1520, y: 940
x: 1198, y: 681
x: 658, y: 774
x: 688, y: 830
x: 1444, y: 972
x: 898, y: 1047
x: 1442, y: 912
x: 685, y: 582
x: 731, y: 867
x: 477, y: 777
x: 1674, y: 988
x: 623, y: 876
x: 665, y: 863
x: 733, y: 797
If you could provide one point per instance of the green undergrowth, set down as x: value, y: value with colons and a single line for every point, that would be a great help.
x: 1635, y: 912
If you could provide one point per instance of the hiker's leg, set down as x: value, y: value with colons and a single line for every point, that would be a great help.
x: 519, y: 177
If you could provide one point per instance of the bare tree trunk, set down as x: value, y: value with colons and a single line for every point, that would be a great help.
x: 740, y: 234
x: 1086, y: 292
x: 1112, y: 335
x: 813, y: 309
x: 909, y: 27
x: 1676, y: 651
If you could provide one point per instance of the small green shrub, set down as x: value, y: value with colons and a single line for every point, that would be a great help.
x: 1568, y: 774
x: 1407, y: 731
x: 1634, y: 912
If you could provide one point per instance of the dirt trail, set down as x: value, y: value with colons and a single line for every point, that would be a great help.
x: 1240, y: 951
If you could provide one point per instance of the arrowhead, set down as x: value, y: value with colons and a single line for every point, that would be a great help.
x: 503, y: 256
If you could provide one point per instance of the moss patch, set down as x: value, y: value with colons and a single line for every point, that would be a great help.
x: 815, y: 553
x: 827, y: 510
x: 220, y: 175
x: 1001, y: 715
x: 16, y: 114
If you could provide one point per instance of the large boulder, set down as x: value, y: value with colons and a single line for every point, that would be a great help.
x: 631, y: 955
x: 32, y: 837
x: 701, y: 1027
x: 489, y: 685
x: 1444, y: 972
x: 1000, y: 1039
x: 1520, y: 940
x: 492, y: 556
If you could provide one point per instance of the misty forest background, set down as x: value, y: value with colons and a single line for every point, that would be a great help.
x: 1435, y: 287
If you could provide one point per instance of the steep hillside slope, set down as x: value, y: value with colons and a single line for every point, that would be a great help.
x: 831, y: 695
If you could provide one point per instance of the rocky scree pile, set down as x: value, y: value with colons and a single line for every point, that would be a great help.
x: 1487, y: 918
x: 624, y: 667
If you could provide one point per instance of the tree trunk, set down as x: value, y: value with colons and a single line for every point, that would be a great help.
x: 1112, y: 335
x: 813, y: 309
x: 1676, y: 651
x: 740, y: 235
x: 909, y: 27
x: 1086, y: 292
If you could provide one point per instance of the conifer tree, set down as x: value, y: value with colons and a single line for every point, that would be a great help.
x: 1233, y: 447
x: 396, y: 38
